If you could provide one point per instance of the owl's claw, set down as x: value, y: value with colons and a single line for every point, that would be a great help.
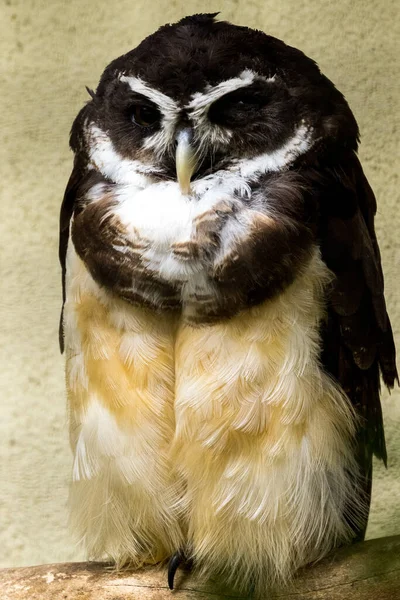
x: 173, y: 565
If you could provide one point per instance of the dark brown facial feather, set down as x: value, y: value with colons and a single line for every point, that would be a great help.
x: 262, y: 113
x: 186, y: 57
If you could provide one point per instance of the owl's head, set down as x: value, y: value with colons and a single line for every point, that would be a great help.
x: 201, y: 95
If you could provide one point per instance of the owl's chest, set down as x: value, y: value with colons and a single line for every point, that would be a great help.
x: 171, y: 230
x: 154, y: 246
x: 159, y: 215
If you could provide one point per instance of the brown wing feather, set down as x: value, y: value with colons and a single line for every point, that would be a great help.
x: 358, y: 343
x: 67, y: 208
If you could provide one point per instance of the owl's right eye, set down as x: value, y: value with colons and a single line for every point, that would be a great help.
x: 145, y: 116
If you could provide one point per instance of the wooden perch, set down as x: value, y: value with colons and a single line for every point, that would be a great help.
x: 364, y: 571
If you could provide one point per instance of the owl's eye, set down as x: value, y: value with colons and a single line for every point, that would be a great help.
x: 237, y: 107
x: 145, y: 116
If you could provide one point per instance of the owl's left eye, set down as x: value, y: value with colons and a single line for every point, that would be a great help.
x: 145, y: 116
x: 238, y: 107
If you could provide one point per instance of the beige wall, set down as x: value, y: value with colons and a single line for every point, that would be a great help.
x: 48, y: 52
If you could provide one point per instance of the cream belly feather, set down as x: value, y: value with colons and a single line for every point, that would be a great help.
x: 120, y: 383
x: 263, y: 439
x: 226, y: 439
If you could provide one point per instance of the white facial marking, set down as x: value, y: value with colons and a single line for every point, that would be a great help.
x: 133, y: 172
x: 210, y: 134
x: 203, y: 100
x: 164, y: 103
x: 279, y: 159
x: 168, y: 107
x: 111, y: 164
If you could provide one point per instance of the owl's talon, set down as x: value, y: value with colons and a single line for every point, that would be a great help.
x: 173, y: 565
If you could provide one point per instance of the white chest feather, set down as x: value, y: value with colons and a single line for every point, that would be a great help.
x: 158, y: 217
x: 162, y: 214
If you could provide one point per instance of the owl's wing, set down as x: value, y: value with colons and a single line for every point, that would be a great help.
x: 67, y: 208
x: 358, y: 343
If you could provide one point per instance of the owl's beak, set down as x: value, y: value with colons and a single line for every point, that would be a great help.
x: 185, y: 159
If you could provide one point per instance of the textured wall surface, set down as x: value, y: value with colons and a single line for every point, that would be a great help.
x: 48, y: 52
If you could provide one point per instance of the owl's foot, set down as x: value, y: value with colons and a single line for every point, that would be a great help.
x: 174, y: 562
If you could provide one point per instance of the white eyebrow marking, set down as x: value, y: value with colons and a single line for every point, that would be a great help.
x: 203, y: 100
x: 164, y: 102
x: 197, y: 108
x: 169, y: 108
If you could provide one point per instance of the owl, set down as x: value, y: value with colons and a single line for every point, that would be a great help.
x: 224, y: 320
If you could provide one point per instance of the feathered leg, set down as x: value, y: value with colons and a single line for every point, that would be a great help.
x: 120, y: 381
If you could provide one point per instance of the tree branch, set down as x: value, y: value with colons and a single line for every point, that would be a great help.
x: 360, y: 572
